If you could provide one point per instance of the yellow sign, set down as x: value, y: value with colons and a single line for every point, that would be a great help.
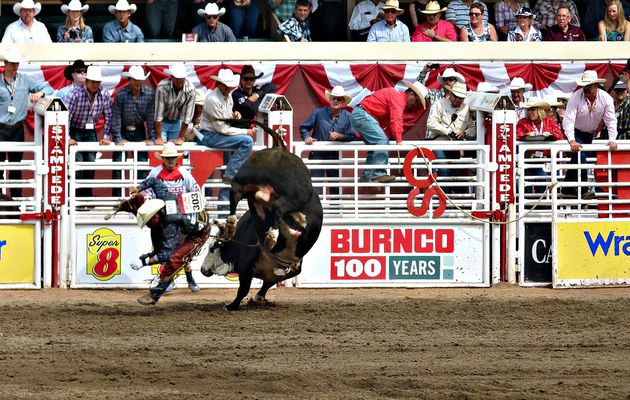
x: 594, y: 250
x: 103, y: 254
x: 17, y: 253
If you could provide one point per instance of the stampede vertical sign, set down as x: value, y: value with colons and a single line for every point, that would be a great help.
x: 56, y: 165
x: 103, y: 254
x: 504, y: 138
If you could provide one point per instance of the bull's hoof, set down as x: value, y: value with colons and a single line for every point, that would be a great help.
x: 232, y: 307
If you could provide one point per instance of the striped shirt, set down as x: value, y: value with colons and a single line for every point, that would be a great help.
x: 16, y: 94
x: 623, y: 119
x: 381, y: 32
x: 545, y: 12
x: 458, y: 12
x: 173, y: 105
x: 504, y: 15
x: 133, y: 111
x: 85, y: 110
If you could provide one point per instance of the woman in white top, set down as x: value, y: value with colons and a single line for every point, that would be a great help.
x: 524, y: 31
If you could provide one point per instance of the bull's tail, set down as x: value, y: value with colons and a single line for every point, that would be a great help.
x: 278, y: 141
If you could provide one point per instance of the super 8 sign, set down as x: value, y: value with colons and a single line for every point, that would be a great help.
x: 56, y: 165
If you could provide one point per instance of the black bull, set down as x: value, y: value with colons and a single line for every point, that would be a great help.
x: 280, y: 195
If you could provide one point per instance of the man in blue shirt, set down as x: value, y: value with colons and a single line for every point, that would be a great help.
x: 389, y: 29
x: 122, y: 30
x: 132, y: 118
x: 212, y: 30
x: 331, y: 123
x: 16, y: 92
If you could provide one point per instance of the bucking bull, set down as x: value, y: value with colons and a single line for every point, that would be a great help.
x: 269, y: 241
x: 282, y: 224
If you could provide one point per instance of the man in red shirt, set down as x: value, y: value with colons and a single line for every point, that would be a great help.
x: 563, y: 30
x: 382, y: 112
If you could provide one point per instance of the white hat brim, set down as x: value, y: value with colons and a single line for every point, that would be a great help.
x: 113, y: 9
x: 128, y: 75
x: 527, y: 87
x: 580, y: 82
x: 417, y: 92
x: 65, y: 9
x: 202, y: 12
x: 17, y: 7
x: 330, y: 95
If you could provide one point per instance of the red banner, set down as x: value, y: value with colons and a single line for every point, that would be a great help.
x: 56, y: 165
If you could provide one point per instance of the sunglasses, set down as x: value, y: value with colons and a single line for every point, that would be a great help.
x: 212, y: 17
x: 248, y: 78
x: 390, y: 11
x: 474, y: 14
x: 81, y: 71
x: 339, y: 98
x: 450, y: 79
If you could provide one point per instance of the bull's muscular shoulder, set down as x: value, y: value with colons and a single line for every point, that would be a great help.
x: 272, y: 163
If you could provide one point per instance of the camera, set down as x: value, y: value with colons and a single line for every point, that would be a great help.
x: 72, y: 34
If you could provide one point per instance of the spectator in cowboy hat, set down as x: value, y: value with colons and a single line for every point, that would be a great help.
x: 330, y: 123
x: 122, y: 30
x: 446, y: 79
x: 619, y: 94
x: 133, y: 118
x: 538, y: 125
x: 26, y: 29
x: 75, y: 73
x: 174, y: 105
x: 86, y: 104
x: 220, y: 135
x: 434, y: 29
x: 297, y: 28
x: 586, y: 108
x: 518, y: 87
x: 74, y: 30
x: 212, y: 30
x: 450, y: 119
x: 525, y: 31
x: 383, y: 111
x: 389, y: 29
x: 17, y: 92
x: 247, y: 96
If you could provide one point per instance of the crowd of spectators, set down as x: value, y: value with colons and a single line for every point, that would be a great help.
x: 323, y: 20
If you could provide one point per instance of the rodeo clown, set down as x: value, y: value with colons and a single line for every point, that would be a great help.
x: 179, y: 228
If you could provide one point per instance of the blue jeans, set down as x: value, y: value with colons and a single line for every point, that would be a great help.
x: 161, y: 16
x: 171, y: 129
x: 571, y: 176
x: 84, y: 135
x: 242, y: 145
x: 371, y: 133
x: 243, y: 20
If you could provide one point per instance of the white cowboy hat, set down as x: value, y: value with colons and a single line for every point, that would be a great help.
x: 459, y: 90
x: 13, y: 55
x: 17, y: 7
x: 589, y: 77
x: 177, y: 70
x: 621, y: 85
x: 392, y: 4
x: 535, y: 102
x: 94, y: 73
x: 420, y: 90
x: 451, y: 73
x: 168, y: 150
x: 74, y: 5
x: 147, y: 210
x: 433, y: 7
x: 486, y: 87
x: 136, y: 72
x: 227, y: 77
x: 122, y: 5
x: 551, y: 100
x: 211, y: 9
x: 338, y: 91
x: 519, y: 83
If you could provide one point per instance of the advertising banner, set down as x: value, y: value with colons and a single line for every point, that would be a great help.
x: 17, y: 254
x: 56, y: 165
x: 537, y: 253
x: 592, y: 253
x: 104, y: 255
x: 397, y: 256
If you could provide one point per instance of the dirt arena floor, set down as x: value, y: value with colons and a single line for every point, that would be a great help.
x: 499, y: 343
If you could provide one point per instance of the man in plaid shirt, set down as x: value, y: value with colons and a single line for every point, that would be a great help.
x: 545, y: 12
x: 297, y: 27
x: 86, y: 105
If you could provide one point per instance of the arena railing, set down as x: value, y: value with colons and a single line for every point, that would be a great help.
x: 30, y: 183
